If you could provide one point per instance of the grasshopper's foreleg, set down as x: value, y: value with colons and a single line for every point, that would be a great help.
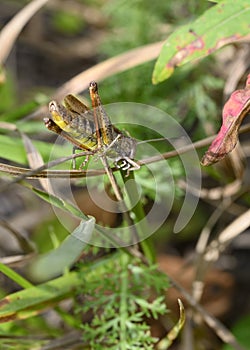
x: 87, y: 155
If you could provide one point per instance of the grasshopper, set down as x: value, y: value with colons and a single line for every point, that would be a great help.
x: 92, y: 130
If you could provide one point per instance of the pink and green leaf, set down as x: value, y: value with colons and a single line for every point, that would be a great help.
x: 234, y: 111
x: 224, y: 23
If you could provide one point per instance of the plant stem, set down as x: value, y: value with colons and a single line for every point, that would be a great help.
x: 140, y: 216
x: 123, y: 301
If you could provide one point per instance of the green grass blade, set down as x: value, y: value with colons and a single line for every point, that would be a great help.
x: 14, y: 276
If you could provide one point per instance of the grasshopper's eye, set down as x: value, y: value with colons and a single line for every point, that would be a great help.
x: 53, y: 106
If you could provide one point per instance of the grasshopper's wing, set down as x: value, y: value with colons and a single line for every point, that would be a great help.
x: 73, y: 104
x: 76, y: 107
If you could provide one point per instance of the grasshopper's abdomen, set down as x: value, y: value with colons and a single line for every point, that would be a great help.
x: 76, y: 125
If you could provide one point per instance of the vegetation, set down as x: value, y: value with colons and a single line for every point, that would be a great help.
x: 96, y: 257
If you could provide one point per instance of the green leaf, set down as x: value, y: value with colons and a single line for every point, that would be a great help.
x: 34, y: 300
x: 223, y: 24
x: 241, y: 332
x: 54, y: 263
x: 12, y: 149
x: 68, y: 23
x: 21, y: 111
x: 31, y: 301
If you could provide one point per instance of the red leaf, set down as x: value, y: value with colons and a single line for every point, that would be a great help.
x: 234, y: 111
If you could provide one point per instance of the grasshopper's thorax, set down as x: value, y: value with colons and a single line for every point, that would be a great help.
x: 123, y: 147
x: 122, y: 151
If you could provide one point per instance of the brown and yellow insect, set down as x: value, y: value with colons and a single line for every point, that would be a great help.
x: 92, y: 130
